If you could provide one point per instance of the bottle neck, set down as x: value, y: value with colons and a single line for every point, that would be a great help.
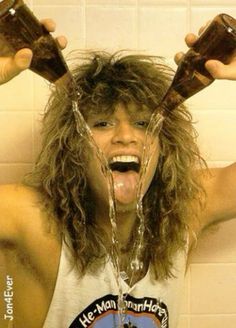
x: 171, y: 100
x: 65, y: 80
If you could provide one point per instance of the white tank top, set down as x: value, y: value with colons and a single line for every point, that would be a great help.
x: 91, y: 300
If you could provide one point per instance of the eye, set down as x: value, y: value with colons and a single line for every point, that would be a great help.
x: 142, y: 123
x: 101, y: 124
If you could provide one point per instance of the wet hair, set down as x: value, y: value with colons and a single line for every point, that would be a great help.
x: 59, y: 174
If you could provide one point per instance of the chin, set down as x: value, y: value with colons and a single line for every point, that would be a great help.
x: 126, y: 207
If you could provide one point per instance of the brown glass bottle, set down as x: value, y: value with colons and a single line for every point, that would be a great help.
x: 21, y: 29
x: 218, y: 41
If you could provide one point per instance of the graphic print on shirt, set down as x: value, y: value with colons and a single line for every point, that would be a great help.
x: 141, y: 313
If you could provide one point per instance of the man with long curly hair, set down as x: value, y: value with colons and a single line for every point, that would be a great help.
x: 68, y: 257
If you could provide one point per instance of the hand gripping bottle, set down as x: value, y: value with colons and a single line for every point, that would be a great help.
x: 19, y: 28
x: 218, y: 41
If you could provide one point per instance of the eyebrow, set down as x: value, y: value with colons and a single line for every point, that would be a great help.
x: 95, y: 116
x: 140, y: 114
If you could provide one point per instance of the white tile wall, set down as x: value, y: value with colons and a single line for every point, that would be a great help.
x: 156, y: 27
x: 158, y: 32
x: 220, y: 294
x: 111, y: 2
x: 164, y: 2
x: 115, y: 27
x: 209, y: 3
x: 13, y: 95
x: 16, y: 137
x: 213, y: 321
x: 216, y: 132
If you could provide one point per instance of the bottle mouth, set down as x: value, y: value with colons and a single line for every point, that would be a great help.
x: 5, y: 5
x: 230, y: 24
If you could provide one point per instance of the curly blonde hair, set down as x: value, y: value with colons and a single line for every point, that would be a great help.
x: 60, y: 172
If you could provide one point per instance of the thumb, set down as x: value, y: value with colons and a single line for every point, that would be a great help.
x: 22, y: 60
x: 12, y: 66
x: 219, y: 70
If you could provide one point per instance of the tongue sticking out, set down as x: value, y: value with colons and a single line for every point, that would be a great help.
x: 125, y: 186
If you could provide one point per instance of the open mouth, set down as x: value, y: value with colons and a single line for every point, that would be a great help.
x: 124, y: 167
x: 125, y: 172
x: 125, y: 164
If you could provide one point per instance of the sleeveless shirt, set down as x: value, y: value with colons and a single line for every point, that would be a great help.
x: 91, y: 300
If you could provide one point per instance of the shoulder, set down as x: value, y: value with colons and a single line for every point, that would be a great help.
x: 16, y: 201
x: 16, y: 194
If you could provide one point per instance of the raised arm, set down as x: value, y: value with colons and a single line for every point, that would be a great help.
x: 10, y: 66
x: 220, y: 184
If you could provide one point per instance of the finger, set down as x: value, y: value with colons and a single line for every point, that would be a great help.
x: 18, y: 63
x: 49, y: 24
x: 221, y: 71
x: 190, y: 39
x: 202, y: 28
x: 23, y: 59
x: 178, y: 57
x: 61, y: 41
x: 12, y: 66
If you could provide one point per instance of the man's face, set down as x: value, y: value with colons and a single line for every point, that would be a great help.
x: 121, y: 137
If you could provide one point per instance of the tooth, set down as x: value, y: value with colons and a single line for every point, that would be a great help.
x: 125, y: 158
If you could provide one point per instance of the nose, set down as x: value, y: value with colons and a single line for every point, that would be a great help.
x: 124, y: 134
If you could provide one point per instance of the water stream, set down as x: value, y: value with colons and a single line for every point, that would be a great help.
x: 136, y: 263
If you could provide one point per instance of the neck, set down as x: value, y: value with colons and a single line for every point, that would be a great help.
x: 125, y: 219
